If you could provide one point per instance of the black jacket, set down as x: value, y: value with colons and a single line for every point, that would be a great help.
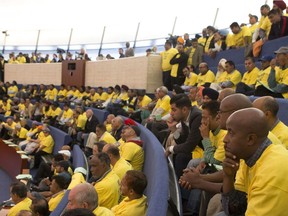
x: 91, y: 125
x: 190, y: 136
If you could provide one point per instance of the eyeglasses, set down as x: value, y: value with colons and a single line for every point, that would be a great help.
x: 221, y: 111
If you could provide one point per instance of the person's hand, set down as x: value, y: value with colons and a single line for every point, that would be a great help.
x: 230, y: 164
x: 204, y: 129
x: 190, y: 179
x: 273, y: 64
x: 167, y: 152
x: 172, y: 124
x: 201, y: 167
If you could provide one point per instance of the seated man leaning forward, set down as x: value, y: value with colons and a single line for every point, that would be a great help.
x: 260, y: 187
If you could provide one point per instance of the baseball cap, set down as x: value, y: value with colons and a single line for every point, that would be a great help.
x: 282, y: 50
x: 65, y: 152
x: 266, y: 58
x: 80, y: 170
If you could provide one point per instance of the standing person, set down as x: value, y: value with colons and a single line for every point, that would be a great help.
x: 2, y: 64
x: 166, y: 56
x: 195, y: 53
x: 129, y: 52
x: 279, y: 27
x: 178, y: 62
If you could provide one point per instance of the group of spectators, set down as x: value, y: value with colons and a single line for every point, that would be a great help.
x: 112, y: 148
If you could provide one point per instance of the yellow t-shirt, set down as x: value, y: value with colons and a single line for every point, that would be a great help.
x: 250, y: 78
x: 62, y: 93
x: 265, y: 182
x: 281, y: 132
x: 191, y: 80
x: 263, y: 76
x: 21, y: 59
x: 265, y: 24
x: 55, y: 200
x: 108, y: 190
x: 102, y: 211
x: 103, y: 96
x: 121, y: 167
x: 144, y: 102
x: 67, y: 114
x: 164, y: 103
x: 209, y: 77
x: 132, y: 153
x: 202, y: 41
x: 190, y: 57
x: 252, y: 28
x: 12, y: 90
x: 282, y: 78
x: 22, y: 134
x: 229, y: 40
x: 174, y: 69
x: 48, y: 142
x: 166, y: 57
x: 131, y: 207
x: 55, y: 112
x: 238, y: 39
x: 108, y: 138
x: 77, y: 178
x: 21, y: 107
x: 220, y: 77
x: 81, y: 121
x: 94, y: 97
x: 206, y: 48
x: 23, y: 205
x: 108, y: 128
x: 234, y: 77
x: 217, y: 141
x: 51, y: 94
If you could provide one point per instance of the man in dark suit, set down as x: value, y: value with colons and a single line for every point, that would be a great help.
x: 188, y: 136
x: 90, y: 126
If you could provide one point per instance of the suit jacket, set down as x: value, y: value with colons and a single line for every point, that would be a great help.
x: 190, y: 136
x: 91, y: 125
x: 197, y: 55
x: 279, y: 29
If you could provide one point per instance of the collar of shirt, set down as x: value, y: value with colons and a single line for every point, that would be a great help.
x: 257, y: 154
x: 56, y: 194
x: 215, y: 132
x: 186, y: 122
x: 274, y: 125
x: 104, y: 175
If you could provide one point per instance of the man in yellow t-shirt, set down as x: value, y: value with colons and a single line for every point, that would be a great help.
x: 247, y: 85
x: 162, y: 106
x: 18, y: 192
x: 132, y: 187
x: 262, y: 78
x: 278, y: 77
x: 241, y: 36
x: 205, y: 76
x: 190, y: 77
x: 253, y: 19
x: 119, y: 164
x: 231, y: 76
x: 58, y: 185
x: 131, y: 150
x: 166, y: 56
x: 45, y: 146
x: 270, y: 107
x: 85, y: 196
x: 259, y: 188
x: 107, y: 183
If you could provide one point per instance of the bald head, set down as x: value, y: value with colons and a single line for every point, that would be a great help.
x: 267, y: 103
x: 224, y: 93
x: 231, y: 104
x: 249, y: 120
x: 83, y: 196
x: 247, y: 130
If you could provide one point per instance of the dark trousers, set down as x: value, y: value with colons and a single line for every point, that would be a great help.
x: 244, y: 89
x: 262, y: 91
x: 181, y: 161
x: 38, y: 158
x: 166, y: 78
